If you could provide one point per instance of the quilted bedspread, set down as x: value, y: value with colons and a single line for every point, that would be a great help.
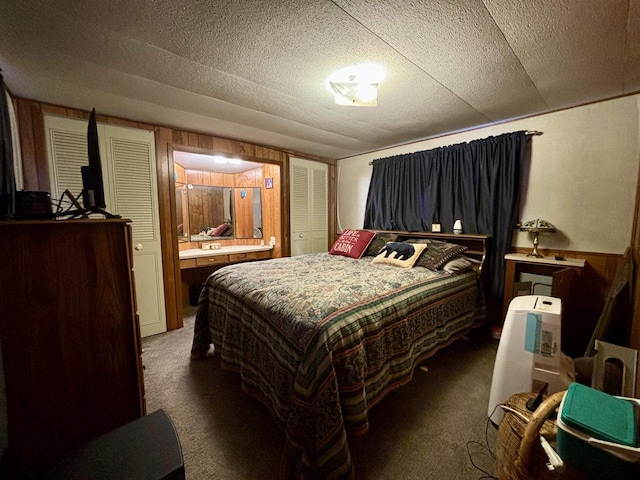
x: 319, y: 339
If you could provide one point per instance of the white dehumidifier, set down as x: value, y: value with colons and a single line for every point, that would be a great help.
x: 529, y: 352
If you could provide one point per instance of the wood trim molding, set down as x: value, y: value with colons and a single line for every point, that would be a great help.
x: 33, y: 145
x: 169, y: 233
x: 635, y: 249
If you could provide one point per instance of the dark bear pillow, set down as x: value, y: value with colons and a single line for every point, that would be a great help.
x: 379, y: 241
x: 399, y: 253
x: 437, y: 253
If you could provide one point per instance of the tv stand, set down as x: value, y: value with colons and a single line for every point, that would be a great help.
x: 80, y: 211
x: 85, y: 213
x: 103, y: 212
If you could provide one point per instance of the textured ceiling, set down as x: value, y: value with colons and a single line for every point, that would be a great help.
x: 255, y: 69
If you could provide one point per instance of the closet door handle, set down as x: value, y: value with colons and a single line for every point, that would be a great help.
x: 138, y: 247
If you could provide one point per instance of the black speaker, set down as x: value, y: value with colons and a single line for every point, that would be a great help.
x: 33, y: 205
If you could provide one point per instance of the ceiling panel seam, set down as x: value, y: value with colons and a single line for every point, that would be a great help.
x: 506, y: 40
x: 411, y: 61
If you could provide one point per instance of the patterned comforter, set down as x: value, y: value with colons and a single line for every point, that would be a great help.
x: 320, y: 339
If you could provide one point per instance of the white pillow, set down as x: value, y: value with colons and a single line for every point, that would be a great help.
x: 460, y: 264
x: 400, y: 254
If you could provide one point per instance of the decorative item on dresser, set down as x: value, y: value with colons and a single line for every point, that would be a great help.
x: 70, y: 336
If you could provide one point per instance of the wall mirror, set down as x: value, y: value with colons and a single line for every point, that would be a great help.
x: 220, y: 198
x: 248, y: 202
x: 211, y: 212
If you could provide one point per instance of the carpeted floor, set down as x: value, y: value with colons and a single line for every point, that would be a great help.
x: 428, y: 429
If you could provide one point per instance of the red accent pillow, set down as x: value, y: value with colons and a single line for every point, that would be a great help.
x: 220, y: 229
x: 352, y: 243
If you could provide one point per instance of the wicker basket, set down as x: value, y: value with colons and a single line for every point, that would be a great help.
x: 519, y: 454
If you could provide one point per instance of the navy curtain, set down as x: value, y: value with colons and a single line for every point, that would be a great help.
x: 476, y: 182
x: 7, y: 176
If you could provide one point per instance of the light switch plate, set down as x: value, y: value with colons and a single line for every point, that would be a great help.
x: 435, y: 227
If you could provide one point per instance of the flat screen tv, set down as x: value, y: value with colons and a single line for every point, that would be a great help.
x: 92, y: 183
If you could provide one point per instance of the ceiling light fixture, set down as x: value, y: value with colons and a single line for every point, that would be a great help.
x: 233, y: 161
x: 357, y: 85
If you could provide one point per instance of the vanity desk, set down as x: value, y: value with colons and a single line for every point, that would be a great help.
x: 197, y: 264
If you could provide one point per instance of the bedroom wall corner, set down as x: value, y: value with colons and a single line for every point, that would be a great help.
x: 635, y: 247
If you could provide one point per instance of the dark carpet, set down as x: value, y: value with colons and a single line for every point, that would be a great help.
x: 433, y: 428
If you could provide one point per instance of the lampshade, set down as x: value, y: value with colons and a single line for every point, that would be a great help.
x: 536, y: 227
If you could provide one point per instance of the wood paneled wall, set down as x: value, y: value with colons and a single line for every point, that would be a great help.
x: 181, y: 173
x: 275, y: 201
x: 243, y: 214
x: 212, y: 179
x: 272, y: 214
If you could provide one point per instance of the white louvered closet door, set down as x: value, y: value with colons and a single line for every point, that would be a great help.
x: 135, y: 196
x: 130, y: 181
x: 309, y: 206
x: 66, y: 153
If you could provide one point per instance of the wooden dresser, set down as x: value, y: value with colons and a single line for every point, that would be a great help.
x: 70, y: 335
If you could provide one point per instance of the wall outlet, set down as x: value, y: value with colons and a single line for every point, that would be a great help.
x: 272, y: 242
x: 435, y: 227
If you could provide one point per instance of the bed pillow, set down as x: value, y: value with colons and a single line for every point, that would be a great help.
x: 219, y: 230
x: 378, y: 242
x: 352, y: 243
x: 401, y: 254
x: 459, y: 264
x: 437, y: 253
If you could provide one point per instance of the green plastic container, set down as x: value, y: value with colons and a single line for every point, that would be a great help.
x: 586, y: 414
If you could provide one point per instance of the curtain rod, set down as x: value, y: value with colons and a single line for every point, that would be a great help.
x: 528, y: 132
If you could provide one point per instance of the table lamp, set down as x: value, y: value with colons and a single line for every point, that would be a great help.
x: 536, y: 227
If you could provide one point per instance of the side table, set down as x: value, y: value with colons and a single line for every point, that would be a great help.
x: 565, y: 276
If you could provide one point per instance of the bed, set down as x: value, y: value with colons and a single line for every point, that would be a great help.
x: 320, y: 339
